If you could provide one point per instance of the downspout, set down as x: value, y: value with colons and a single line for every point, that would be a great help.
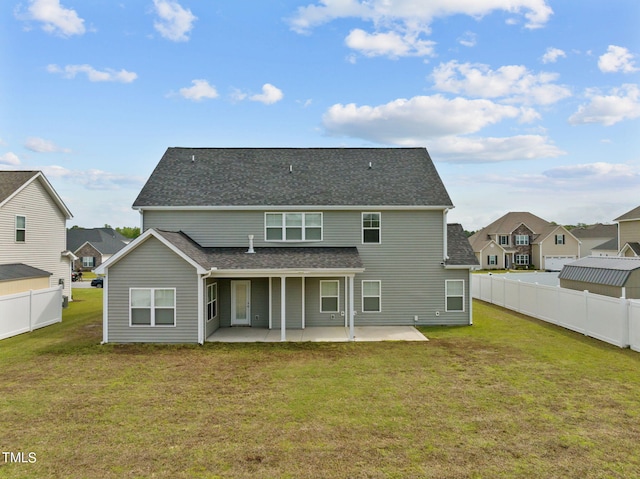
x: 105, y: 307
x: 445, y: 255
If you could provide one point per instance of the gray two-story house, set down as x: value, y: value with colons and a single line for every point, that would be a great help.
x: 288, y: 238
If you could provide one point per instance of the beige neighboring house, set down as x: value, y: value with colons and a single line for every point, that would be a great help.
x: 597, y: 240
x: 629, y: 233
x: 33, y: 235
x: 524, y: 240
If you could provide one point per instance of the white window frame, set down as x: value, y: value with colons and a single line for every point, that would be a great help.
x: 505, y: 238
x: 153, y: 308
x: 522, y: 240
x: 447, y: 295
x: 337, y: 296
x: 560, y: 239
x: 492, y: 259
x: 93, y: 261
x: 20, y: 228
x: 214, y: 287
x: 283, y: 226
x: 379, y: 295
x: 379, y: 227
x: 520, y: 258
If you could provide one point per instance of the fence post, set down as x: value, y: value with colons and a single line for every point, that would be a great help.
x: 586, y: 316
x: 30, y: 310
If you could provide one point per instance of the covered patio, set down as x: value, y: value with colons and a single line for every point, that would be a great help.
x: 317, y: 334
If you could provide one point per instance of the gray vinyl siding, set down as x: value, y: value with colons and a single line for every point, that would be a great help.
x: 259, y: 302
x: 46, y: 234
x: 408, y: 262
x: 152, y: 265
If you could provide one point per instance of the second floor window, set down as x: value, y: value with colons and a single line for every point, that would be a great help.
x: 522, y: 240
x: 293, y: 226
x: 559, y: 239
x: 371, y: 228
x: 503, y: 240
x: 21, y: 229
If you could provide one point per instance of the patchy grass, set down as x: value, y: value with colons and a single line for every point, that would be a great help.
x: 508, y: 397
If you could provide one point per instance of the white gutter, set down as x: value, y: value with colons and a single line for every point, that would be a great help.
x: 294, y: 207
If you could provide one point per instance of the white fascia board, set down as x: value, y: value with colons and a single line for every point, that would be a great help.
x: 290, y: 272
x: 471, y: 267
x: 47, y: 186
x: 137, y: 242
x: 295, y: 208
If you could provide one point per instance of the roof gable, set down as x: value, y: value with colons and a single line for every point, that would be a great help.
x: 634, y: 214
x: 233, y: 177
x: 104, y: 240
x: 12, y: 182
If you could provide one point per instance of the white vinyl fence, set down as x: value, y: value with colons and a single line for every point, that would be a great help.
x: 24, y: 312
x: 614, y: 320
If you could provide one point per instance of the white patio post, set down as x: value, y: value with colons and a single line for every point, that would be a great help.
x: 351, y: 327
x: 283, y: 319
x: 303, y: 303
x: 346, y: 301
x: 270, y: 302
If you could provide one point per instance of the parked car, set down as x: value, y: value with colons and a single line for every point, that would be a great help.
x: 97, y: 282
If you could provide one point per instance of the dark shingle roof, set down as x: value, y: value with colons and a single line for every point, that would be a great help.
x: 595, y: 231
x: 105, y: 240
x: 611, y: 245
x: 11, y: 181
x: 459, y: 249
x: 606, y: 270
x: 265, y: 258
x: 634, y: 214
x: 319, y: 176
x: 15, y: 271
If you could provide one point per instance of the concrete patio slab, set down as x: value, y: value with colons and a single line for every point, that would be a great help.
x: 319, y: 334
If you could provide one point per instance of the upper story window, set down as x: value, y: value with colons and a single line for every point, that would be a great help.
x: 371, y: 228
x: 293, y: 226
x: 21, y: 229
x: 503, y: 240
x: 522, y: 240
x: 559, y: 239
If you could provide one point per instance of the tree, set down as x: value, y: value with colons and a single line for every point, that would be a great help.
x: 131, y: 232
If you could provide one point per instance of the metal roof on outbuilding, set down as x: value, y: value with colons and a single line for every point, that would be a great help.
x: 610, y: 271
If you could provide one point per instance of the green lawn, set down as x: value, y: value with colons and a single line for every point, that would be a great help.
x: 507, y: 397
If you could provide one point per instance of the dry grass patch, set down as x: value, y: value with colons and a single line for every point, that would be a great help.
x: 508, y: 397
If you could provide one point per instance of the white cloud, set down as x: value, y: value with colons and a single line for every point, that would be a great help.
x: 469, y: 39
x: 94, y: 179
x: 175, y: 22
x: 599, y: 171
x: 390, y: 44
x: 414, y: 13
x: 270, y: 94
x: 40, y: 145
x: 617, y: 59
x: 512, y: 83
x: 621, y: 104
x: 55, y: 18
x: 455, y: 149
x: 10, y: 159
x: 414, y: 121
x: 107, y: 75
x: 200, y: 90
x: 552, y: 54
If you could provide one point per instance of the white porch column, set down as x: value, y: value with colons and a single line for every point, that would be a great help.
x: 270, y: 302
x: 346, y: 301
x: 283, y: 298
x: 351, y: 326
x: 303, y: 307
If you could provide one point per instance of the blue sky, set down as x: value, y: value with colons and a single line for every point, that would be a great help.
x: 524, y: 105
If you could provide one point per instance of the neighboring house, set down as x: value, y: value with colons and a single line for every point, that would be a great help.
x: 618, y: 277
x: 524, y: 240
x: 33, y: 217
x: 597, y: 240
x: 93, y: 246
x: 288, y: 238
x: 629, y: 233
